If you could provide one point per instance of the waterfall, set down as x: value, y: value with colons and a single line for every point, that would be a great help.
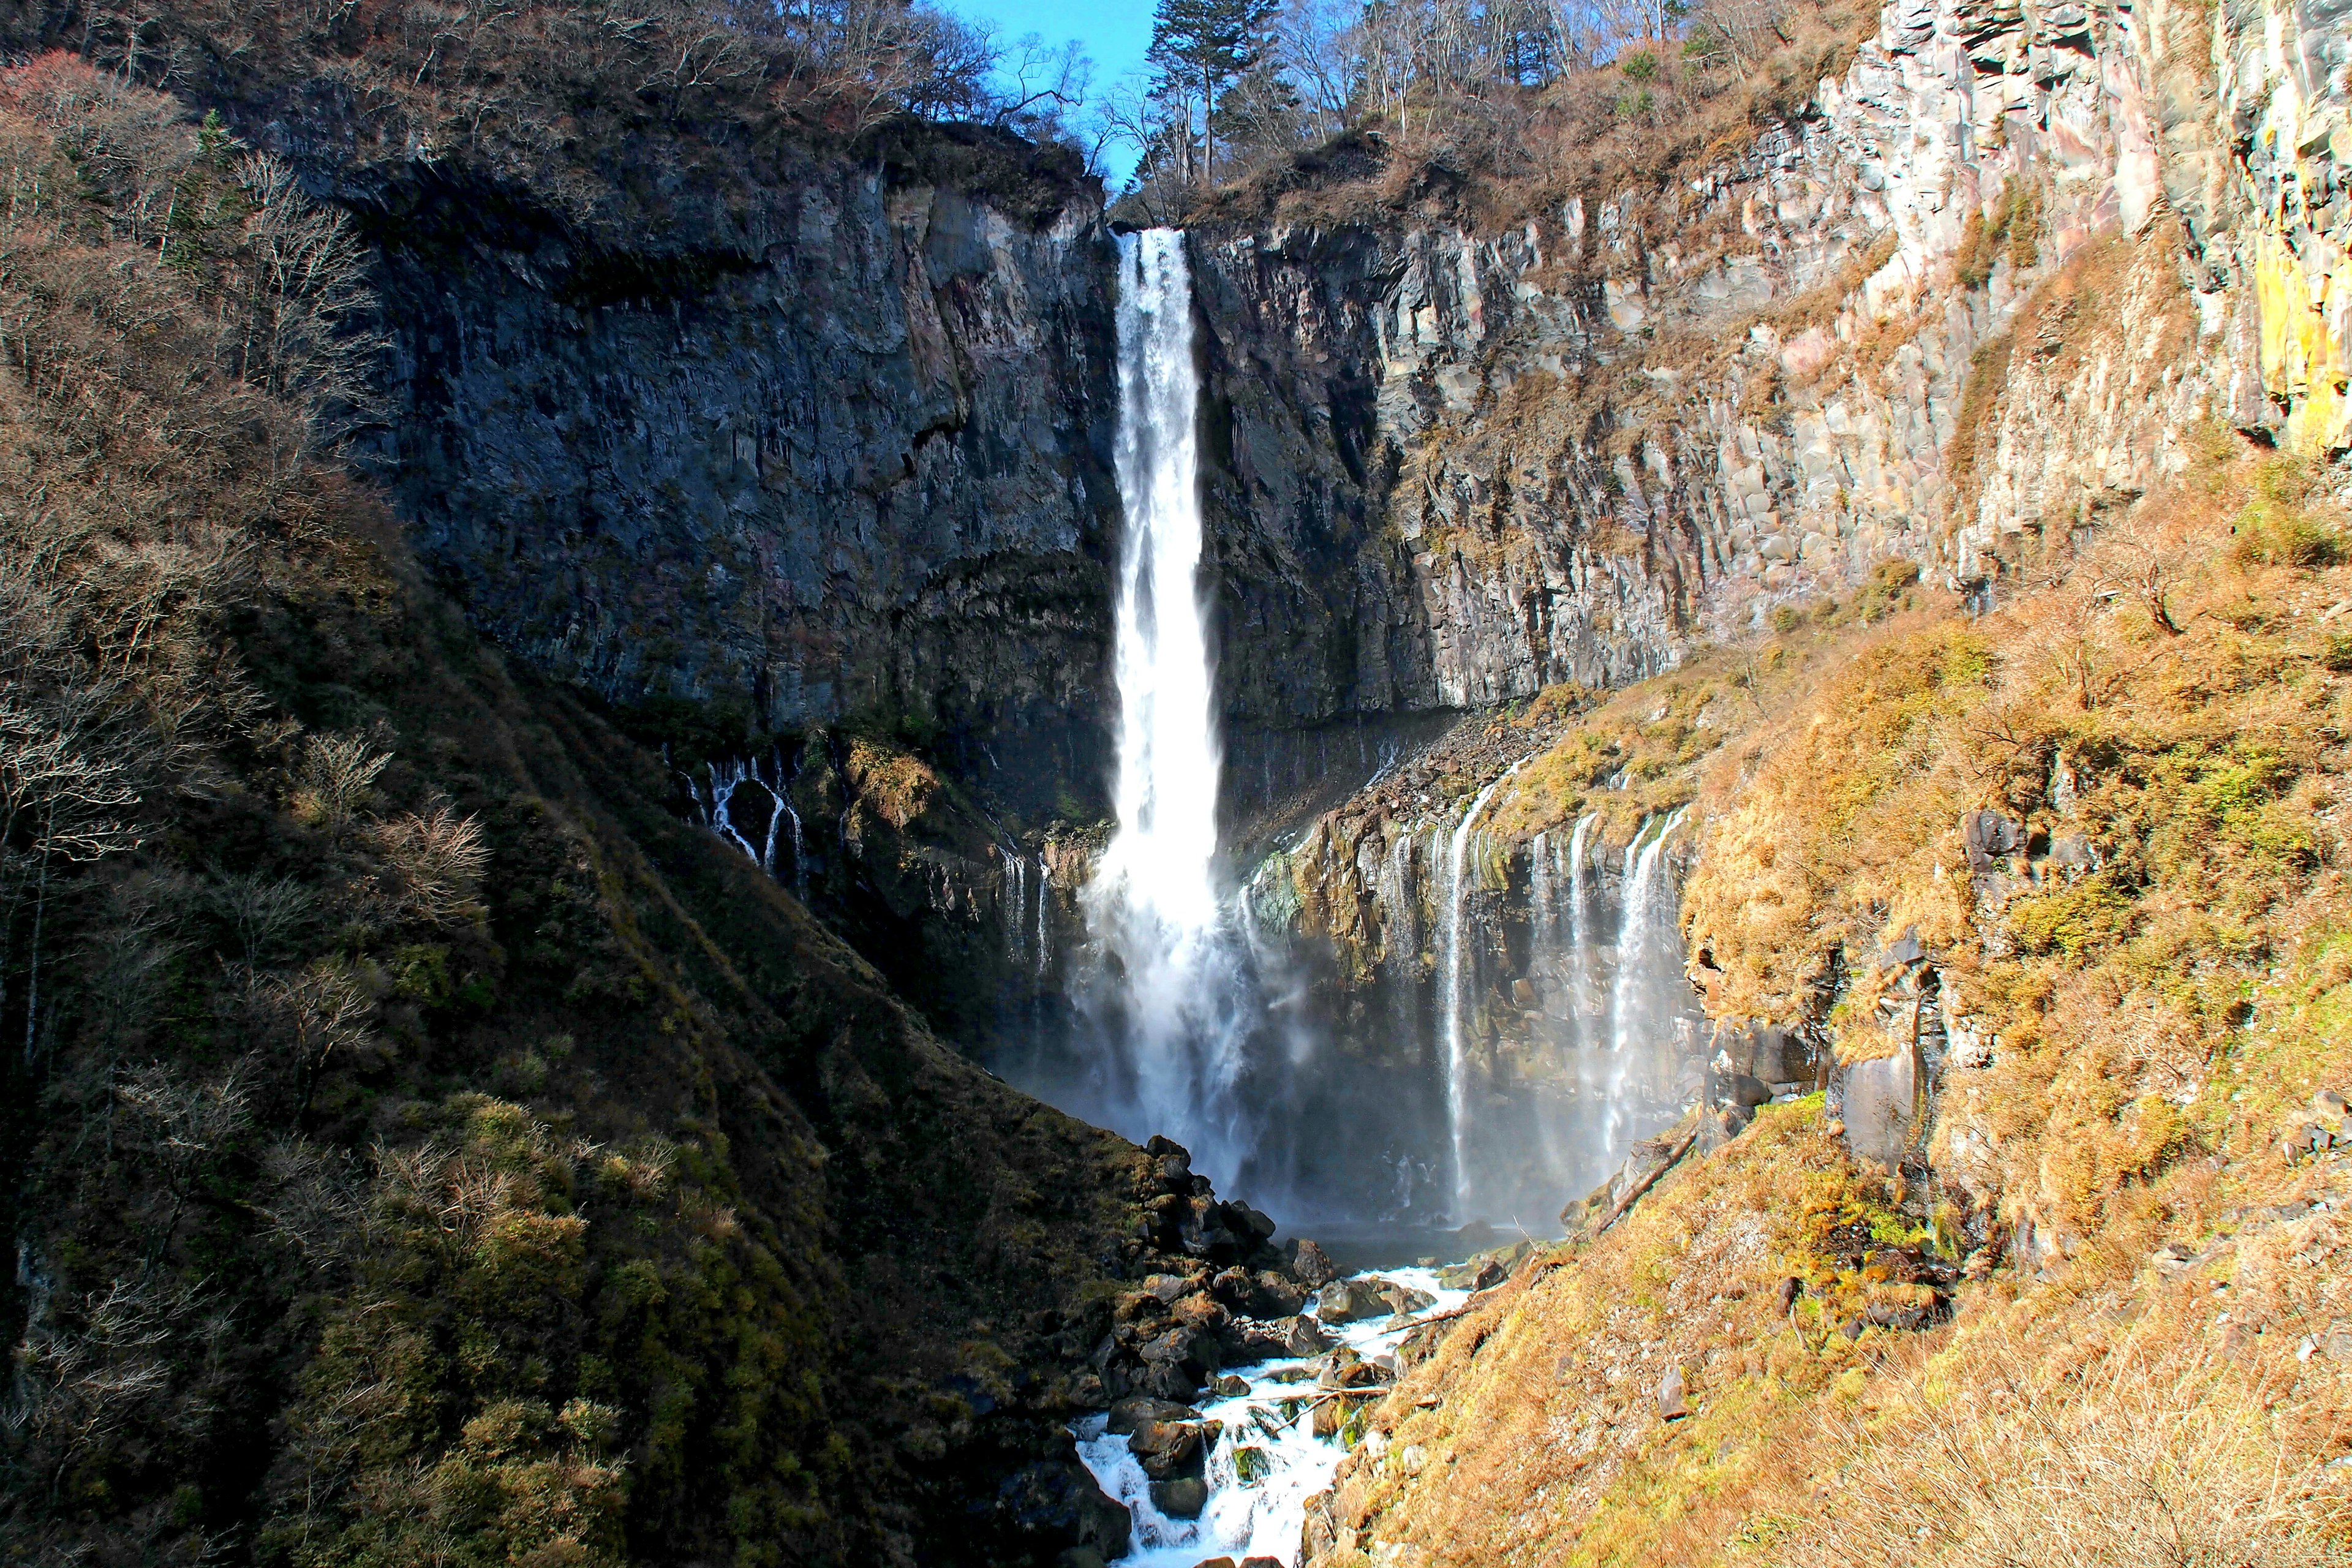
x: 1016, y: 905
x: 1579, y: 927
x: 1153, y: 900
x: 1542, y: 916
x: 718, y: 813
x: 1044, y: 938
x: 1642, y: 1000
x: 1458, y: 1050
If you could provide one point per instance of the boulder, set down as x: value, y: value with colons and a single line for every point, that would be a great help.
x: 1166, y: 1288
x: 1403, y: 1300
x: 1672, y: 1405
x: 1167, y: 1449
x: 1128, y: 1415
x: 1421, y: 1342
x: 1331, y: 1415
x: 1987, y: 835
x: 1478, y: 1274
x: 1055, y: 1503
x: 1230, y: 1387
x: 1250, y: 1339
x: 1183, y: 1497
x: 1264, y: 1294
x: 1311, y: 1266
x: 1347, y: 1301
x: 1200, y: 1310
x: 1881, y: 1108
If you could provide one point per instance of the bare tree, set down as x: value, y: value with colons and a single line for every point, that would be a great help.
x: 335, y: 777
x: 305, y: 340
x: 439, y: 859
x: 183, y: 1128
x: 307, y: 1018
x: 261, y: 912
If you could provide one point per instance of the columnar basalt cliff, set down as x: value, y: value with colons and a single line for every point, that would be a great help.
x: 1462, y: 465
x: 838, y: 451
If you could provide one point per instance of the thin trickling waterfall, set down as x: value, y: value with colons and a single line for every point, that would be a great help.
x: 1579, y: 926
x: 1016, y: 905
x: 718, y: 805
x: 1045, y: 943
x: 1456, y: 962
x: 1543, y: 915
x: 1153, y: 900
x: 1642, y: 1001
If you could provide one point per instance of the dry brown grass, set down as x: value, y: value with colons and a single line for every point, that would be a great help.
x: 2156, y: 1381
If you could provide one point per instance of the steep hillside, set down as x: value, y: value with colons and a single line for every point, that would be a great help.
x: 2048, y: 1273
x: 421, y: 1144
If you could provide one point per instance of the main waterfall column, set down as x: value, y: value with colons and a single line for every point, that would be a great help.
x: 1152, y: 905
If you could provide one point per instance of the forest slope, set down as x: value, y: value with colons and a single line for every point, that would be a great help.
x: 420, y: 1144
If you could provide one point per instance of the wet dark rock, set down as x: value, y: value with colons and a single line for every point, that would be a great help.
x: 1130, y: 1413
x: 1055, y: 1503
x: 1183, y: 1497
x: 1311, y: 1266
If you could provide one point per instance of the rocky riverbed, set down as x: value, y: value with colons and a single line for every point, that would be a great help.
x: 1227, y: 1475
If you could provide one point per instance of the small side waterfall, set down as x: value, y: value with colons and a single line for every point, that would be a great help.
x: 1579, y: 923
x: 716, y: 801
x: 1642, y: 1002
x: 1458, y: 1048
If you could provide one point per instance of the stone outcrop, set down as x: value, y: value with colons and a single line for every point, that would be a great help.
x: 1456, y: 466
x: 841, y: 452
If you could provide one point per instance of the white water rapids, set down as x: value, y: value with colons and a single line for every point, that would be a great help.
x: 1258, y: 1504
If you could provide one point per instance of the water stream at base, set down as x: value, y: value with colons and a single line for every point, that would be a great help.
x: 1259, y: 1517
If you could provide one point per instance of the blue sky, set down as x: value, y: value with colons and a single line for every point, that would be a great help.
x: 1114, y: 35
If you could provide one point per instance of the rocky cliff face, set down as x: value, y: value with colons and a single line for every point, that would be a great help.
x: 839, y: 451
x: 1457, y: 466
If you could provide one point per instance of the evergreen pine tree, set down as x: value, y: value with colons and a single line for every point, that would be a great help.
x: 1204, y: 45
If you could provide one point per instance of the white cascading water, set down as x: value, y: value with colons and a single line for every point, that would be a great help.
x: 1642, y: 1002
x: 1457, y: 1044
x: 1580, y: 923
x: 1153, y: 900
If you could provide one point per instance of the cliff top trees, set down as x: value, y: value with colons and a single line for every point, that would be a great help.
x: 1200, y: 48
